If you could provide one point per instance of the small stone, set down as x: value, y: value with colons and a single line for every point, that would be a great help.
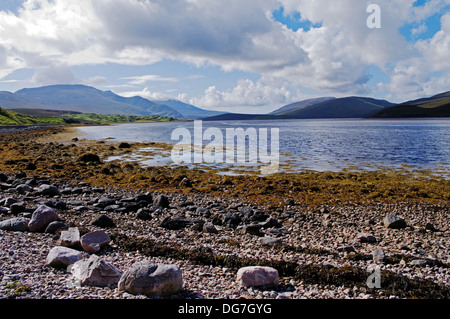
x: 17, y: 209
x: 431, y: 227
x: 209, y: 228
x: 394, y: 222
x: 53, y: 227
x: 378, y: 255
x: 23, y: 188
x: 70, y: 238
x: 143, y: 214
x: 161, y: 201
x: 269, y: 241
x: 103, y: 221
x: 7, y: 202
x: 252, y: 229
x: 419, y: 262
x: 365, y: 238
x: 258, y: 276
x: 94, y: 241
x: 47, y: 190
x: 150, y: 279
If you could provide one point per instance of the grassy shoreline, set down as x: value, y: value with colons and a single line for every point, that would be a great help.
x: 57, y: 151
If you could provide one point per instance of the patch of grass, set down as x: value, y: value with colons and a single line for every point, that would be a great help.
x: 18, y: 289
x: 13, y: 118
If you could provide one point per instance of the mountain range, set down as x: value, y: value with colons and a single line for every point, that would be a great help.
x: 352, y: 107
x: 86, y: 99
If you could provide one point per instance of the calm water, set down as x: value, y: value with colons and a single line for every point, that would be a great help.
x: 323, y: 145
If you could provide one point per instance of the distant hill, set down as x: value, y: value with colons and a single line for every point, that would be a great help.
x: 10, y: 100
x: 242, y: 117
x: 43, y: 113
x: 300, y: 105
x: 435, y: 106
x: 347, y: 107
x: 188, y: 110
x: 87, y: 99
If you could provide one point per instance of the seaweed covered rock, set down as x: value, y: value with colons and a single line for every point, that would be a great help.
x: 89, y: 157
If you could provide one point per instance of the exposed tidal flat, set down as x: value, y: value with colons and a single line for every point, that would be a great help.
x: 324, y: 232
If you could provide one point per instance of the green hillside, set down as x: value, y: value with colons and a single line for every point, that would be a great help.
x: 91, y: 118
x: 435, y: 106
x: 14, y: 118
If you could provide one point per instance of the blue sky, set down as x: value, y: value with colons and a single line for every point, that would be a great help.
x: 241, y: 56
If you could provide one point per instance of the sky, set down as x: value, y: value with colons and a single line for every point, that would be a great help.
x: 246, y: 56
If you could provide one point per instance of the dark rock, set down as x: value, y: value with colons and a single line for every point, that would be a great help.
x: 431, y: 227
x: 177, y: 223
x: 57, y: 204
x: 132, y: 207
x: 232, y: 220
x: 143, y: 214
x: 89, y: 157
x: 15, y: 224
x: 7, y: 202
x: 48, y: 190
x: 4, y: 211
x: 53, y: 227
x: 365, y: 238
x: 124, y: 145
x: 104, y: 202
x: 23, y: 188
x: 3, y: 178
x: 103, y: 221
x: 253, y: 229
x: 203, y: 211
x: 161, y: 201
x: 144, y: 197
x: 259, y: 217
x: 17, y: 208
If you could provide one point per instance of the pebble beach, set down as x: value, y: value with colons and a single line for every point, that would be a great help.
x: 326, y: 251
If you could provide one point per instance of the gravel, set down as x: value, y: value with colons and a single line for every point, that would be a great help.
x: 326, y: 238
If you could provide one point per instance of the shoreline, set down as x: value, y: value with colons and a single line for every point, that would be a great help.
x: 315, y: 219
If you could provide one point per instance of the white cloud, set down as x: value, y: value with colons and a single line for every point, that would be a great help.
x: 246, y: 94
x: 142, y: 79
x: 147, y: 94
x: 240, y: 35
x: 54, y: 74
